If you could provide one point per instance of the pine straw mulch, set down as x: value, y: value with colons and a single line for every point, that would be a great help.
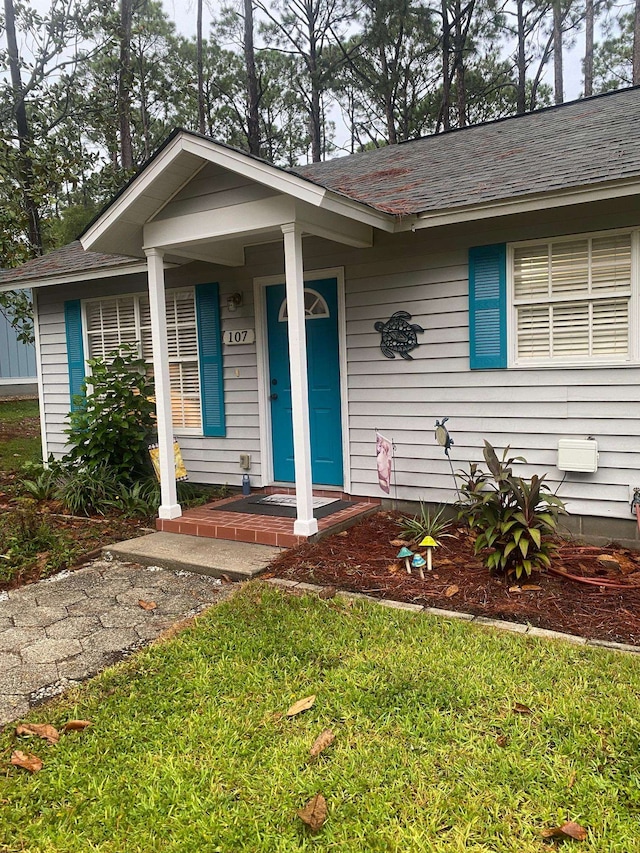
x: 362, y: 559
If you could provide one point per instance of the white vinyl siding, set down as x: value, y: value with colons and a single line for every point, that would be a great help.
x: 572, y: 300
x: 115, y: 321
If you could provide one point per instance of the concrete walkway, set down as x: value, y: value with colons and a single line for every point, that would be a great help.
x: 58, y: 632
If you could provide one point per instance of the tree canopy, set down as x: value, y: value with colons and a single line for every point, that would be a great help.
x: 89, y: 88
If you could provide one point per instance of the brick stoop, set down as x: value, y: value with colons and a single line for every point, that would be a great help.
x: 213, y: 522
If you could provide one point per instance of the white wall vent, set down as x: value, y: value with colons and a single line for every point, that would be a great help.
x: 578, y: 455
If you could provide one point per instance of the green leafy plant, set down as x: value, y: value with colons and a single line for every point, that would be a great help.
x: 87, y: 491
x: 113, y: 421
x: 514, y: 518
x: 39, y: 481
x: 428, y: 522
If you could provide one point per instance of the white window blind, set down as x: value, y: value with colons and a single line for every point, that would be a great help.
x: 126, y: 319
x: 571, y: 299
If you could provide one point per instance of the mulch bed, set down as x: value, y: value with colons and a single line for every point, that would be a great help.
x: 362, y: 559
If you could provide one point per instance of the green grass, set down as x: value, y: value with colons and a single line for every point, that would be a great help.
x: 17, y: 450
x: 16, y: 410
x: 190, y: 749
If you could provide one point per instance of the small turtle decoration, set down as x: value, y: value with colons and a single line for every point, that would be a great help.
x: 398, y: 335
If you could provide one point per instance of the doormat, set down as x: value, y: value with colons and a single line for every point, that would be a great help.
x: 290, y: 500
x: 264, y: 505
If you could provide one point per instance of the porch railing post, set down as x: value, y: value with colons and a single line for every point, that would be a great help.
x: 305, y: 524
x: 169, y: 506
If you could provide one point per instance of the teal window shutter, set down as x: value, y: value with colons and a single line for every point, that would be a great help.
x: 210, y: 349
x: 75, y: 348
x: 488, y: 306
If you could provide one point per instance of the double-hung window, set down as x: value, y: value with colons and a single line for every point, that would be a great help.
x: 574, y: 300
x: 114, y: 321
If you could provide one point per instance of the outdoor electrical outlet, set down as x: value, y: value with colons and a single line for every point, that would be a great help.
x: 245, y: 461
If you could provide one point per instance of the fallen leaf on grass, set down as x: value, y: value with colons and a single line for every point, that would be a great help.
x: 43, y: 730
x: 147, y: 605
x: 76, y: 725
x: 572, y: 779
x: 451, y: 590
x: 301, y: 705
x: 519, y: 708
x: 571, y: 829
x: 314, y: 813
x: 324, y: 739
x: 26, y: 760
x: 502, y: 740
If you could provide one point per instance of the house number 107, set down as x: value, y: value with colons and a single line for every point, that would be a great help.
x: 238, y: 336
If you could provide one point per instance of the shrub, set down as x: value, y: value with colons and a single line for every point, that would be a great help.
x: 115, y: 419
x: 514, y: 518
x: 87, y: 491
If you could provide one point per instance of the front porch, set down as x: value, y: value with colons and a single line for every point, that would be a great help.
x: 216, y: 521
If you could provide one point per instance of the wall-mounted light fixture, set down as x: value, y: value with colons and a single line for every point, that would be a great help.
x: 234, y: 301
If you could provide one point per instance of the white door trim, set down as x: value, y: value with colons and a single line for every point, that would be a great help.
x: 262, y: 352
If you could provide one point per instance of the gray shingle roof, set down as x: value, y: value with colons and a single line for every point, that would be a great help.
x: 581, y: 143
x: 68, y: 260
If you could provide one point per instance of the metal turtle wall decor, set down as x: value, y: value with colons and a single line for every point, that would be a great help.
x: 398, y: 335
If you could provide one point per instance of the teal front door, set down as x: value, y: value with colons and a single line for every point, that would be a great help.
x: 323, y: 369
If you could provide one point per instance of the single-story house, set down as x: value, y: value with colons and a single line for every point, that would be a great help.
x: 265, y: 299
x: 17, y: 362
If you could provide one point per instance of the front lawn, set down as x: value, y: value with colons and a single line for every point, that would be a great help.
x: 19, y: 435
x: 448, y: 738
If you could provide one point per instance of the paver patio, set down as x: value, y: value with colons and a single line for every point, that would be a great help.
x: 58, y: 632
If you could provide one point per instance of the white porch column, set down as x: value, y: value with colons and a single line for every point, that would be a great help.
x: 169, y: 506
x: 305, y: 524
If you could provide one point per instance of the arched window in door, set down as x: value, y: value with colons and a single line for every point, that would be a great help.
x: 315, y: 307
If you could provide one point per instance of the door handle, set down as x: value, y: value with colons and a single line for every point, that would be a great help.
x: 273, y: 396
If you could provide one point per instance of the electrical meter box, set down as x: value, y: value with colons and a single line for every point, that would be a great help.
x: 578, y: 455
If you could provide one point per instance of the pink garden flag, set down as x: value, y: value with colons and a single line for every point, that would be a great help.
x: 384, y: 456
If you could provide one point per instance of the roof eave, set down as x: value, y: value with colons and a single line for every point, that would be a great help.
x: 523, y: 204
x: 71, y: 278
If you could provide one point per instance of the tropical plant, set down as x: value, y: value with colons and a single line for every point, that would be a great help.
x: 112, y: 424
x: 428, y: 522
x: 514, y: 518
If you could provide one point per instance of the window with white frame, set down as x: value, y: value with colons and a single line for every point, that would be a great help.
x: 114, y: 321
x: 573, y: 299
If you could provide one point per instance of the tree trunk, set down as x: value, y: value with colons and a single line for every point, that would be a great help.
x: 461, y: 92
x: 253, y: 96
x: 521, y: 61
x: 557, y: 52
x: 124, y: 85
x: 588, y: 48
x: 24, y: 133
x: 446, y: 78
x: 315, y: 117
x: 200, y: 69
x: 636, y: 46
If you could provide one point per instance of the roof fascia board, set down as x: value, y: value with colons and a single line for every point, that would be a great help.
x: 528, y: 204
x: 71, y: 278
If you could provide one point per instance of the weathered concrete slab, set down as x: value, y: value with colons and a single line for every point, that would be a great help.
x: 214, y: 557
